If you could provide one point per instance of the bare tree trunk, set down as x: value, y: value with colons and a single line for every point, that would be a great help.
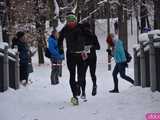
x: 60, y: 2
x: 92, y: 19
x: 108, y: 18
x: 69, y: 1
x: 131, y: 16
x: 80, y: 4
x: 137, y: 29
x: 40, y: 27
x: 136, y: 8
x: 120, y: 19
x: 68, y: 6
x: 122, y: 23
x: 125, y: 24
x: 108, y: 31
x: 156, y: 14
x: 11, y: 21
x: 144, y: 17
x: 3, y: 20
x: 131, y: 25
x: 51, y: 12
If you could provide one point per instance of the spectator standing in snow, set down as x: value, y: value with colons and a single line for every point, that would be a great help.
x: 120, y: 59
x: 91, y: 45
x: 56, y: 57
x: 23, y: 49
x: 75, y: 54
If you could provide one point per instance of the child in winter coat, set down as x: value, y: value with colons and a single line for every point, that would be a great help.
x: 56, y: 57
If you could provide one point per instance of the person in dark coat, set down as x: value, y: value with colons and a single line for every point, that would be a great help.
x: 23, y: 50
x: 91, y: 45
x: 75, y: 54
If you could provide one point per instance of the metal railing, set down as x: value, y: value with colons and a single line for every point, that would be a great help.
x: 146, y: 63
x: 9, y: 64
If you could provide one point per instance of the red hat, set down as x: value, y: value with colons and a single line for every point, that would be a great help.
x: 110, y: 40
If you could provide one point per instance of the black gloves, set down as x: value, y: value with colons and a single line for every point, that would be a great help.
x: 109, y: 52
x: 126, y: 64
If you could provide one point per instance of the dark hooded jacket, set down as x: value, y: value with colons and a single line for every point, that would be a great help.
x: 23, y: 50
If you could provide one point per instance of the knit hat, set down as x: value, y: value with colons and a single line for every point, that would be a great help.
x: 71, y: 17
x: 109, y: 39
x: 20, y: 34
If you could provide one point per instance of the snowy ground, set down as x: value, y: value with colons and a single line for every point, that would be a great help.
x: 41, y: 101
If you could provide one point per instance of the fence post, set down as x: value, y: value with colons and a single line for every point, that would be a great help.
x: 17, y: 74
x: 152, y: 63
x: 142, y: 66
x: 136, y: 79
x: 6, y: 68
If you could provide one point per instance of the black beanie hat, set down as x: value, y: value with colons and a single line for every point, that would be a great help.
x: 20, y: 34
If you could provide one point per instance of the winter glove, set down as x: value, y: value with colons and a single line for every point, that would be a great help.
x: 109, y: 52
x: 126, y: 64
x: 84, y: 55
x: 62, y: 56
x: 61, y: 51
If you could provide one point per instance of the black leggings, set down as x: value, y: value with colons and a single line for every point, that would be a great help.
x: 75, y: 63
x: 91, y: 63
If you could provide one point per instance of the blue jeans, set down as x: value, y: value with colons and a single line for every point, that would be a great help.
x: 120, y: 68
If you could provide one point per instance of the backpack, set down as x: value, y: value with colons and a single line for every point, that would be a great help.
x: 128, y: 56
x: 47, y: 53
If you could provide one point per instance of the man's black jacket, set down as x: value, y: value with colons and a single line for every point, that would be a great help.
x: 75, y: 40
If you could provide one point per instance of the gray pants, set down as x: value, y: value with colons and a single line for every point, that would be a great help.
x: 55, y: 71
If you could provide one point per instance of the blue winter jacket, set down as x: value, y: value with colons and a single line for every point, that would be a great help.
x: 53, y: 48
x: 119, y: 54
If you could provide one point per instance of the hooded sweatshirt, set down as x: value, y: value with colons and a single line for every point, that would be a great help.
x: 118, y: 51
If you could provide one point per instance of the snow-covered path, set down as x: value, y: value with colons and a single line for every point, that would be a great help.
x: 41, y: 101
